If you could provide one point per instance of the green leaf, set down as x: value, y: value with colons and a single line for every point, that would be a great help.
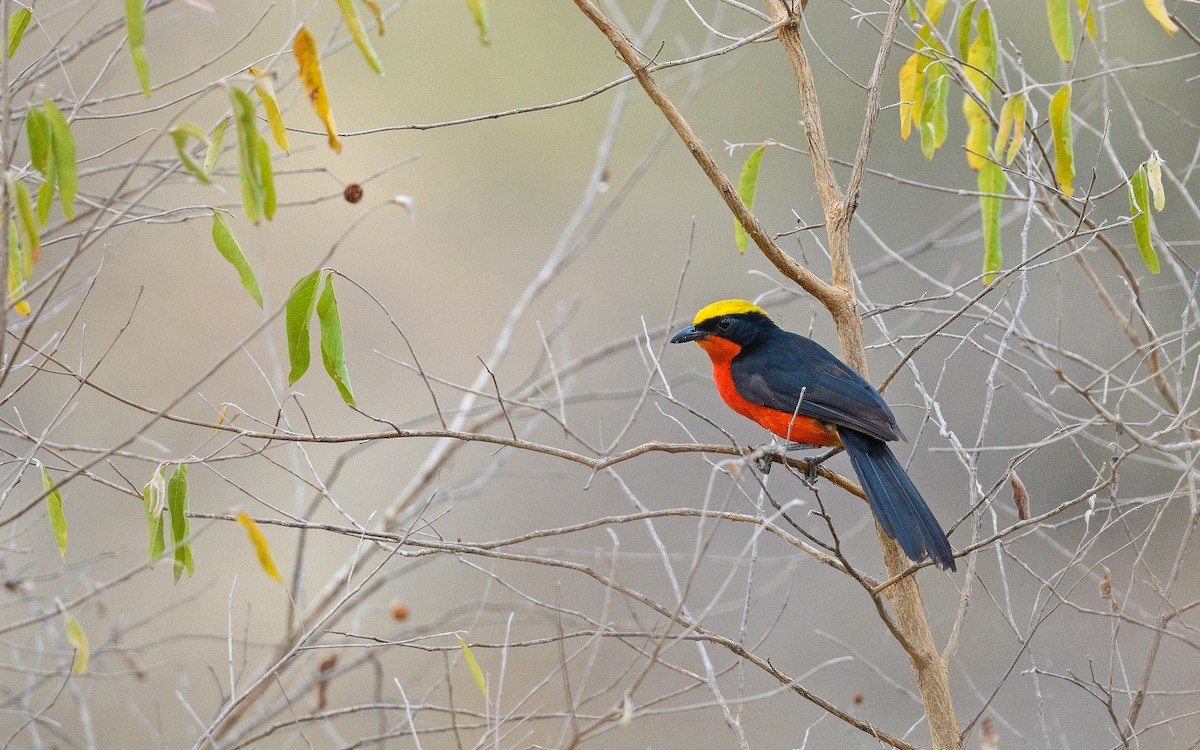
x: 17, y: 23
x: 58, y: 521
x: 1064, y: 149
x: 1139, y: 206
x: 180, y: 135
x: 214, y: 146
x: 747, y: 187
x: 29, y: 228
x: 987, y: 56
x: 62, y: 146
x: 45, y: 199
x: 935, y: 123
x: 154, y: 498
x: 479, y: 12
x: 267, y: 173
x: 473, y: 665
x: 359, y: 34
x: 135, y: 27
x: 248, y: 138
x: 963, y: 22
x: 41, y: 155
x: 333, y: 350
x: 1059, y: 13
x: 1154, y: 176
x: 141, y: 64
x: 77, y: 638
x: 135, y: 22
x: 37, y: 129
x: 991, y: 180
x: 300, y: 306
x: 16, y: 275
x: 229, y: 248
x: 181, y: 526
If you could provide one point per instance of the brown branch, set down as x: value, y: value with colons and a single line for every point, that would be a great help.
x: 806, y: 279
x: 927, y: 664
x: 430, y: 546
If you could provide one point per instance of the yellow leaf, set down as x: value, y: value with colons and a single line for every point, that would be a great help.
x: 1158, y: 9
x: 1089, y: 17
x: 479, y: 12
x: 259, y: 541
x: 266, y: 92
x: 1005, y: 128
x: 979, y: 133
x: 304, y: 47
x: 376, y: 12
x: 77, y: 638
x: 912, y: 81
x: 1018, y: 123
x: 1064, y: 150
x: 985, y: 53
x: 933, y: 9
x: 473, y: 665
x: 981, y: 63
x: 359, y: 34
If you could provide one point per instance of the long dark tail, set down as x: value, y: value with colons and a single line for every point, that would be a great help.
x: 897, y: 504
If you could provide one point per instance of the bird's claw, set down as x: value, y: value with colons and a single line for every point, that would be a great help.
x: 812, y: 472
x: 765, y: 456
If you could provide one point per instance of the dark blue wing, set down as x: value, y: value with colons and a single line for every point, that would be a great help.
x: 777, y: 372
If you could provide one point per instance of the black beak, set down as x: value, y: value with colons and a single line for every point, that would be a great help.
x: 691, y: 333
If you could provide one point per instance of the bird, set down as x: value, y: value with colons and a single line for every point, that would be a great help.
x: 801, y: 392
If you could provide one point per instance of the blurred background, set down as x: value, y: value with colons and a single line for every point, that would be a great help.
x: 562, y: 246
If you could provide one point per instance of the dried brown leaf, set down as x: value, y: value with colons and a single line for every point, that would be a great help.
x: 1020, y: 496
x: 989, y: 738
x: 1106, y: 589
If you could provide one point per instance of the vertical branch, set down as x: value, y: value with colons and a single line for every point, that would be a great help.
x: 6, y: 146
x: 927, y: 665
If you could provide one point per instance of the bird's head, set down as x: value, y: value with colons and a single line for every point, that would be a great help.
x: 732, y: 320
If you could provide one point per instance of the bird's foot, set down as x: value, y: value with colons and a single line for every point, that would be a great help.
x: 813, y: 471
x: 766, y: 455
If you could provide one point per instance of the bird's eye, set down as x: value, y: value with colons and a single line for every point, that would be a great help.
x: 725, y: 324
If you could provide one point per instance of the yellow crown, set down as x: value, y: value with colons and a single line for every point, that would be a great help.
x: 727, y: 307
